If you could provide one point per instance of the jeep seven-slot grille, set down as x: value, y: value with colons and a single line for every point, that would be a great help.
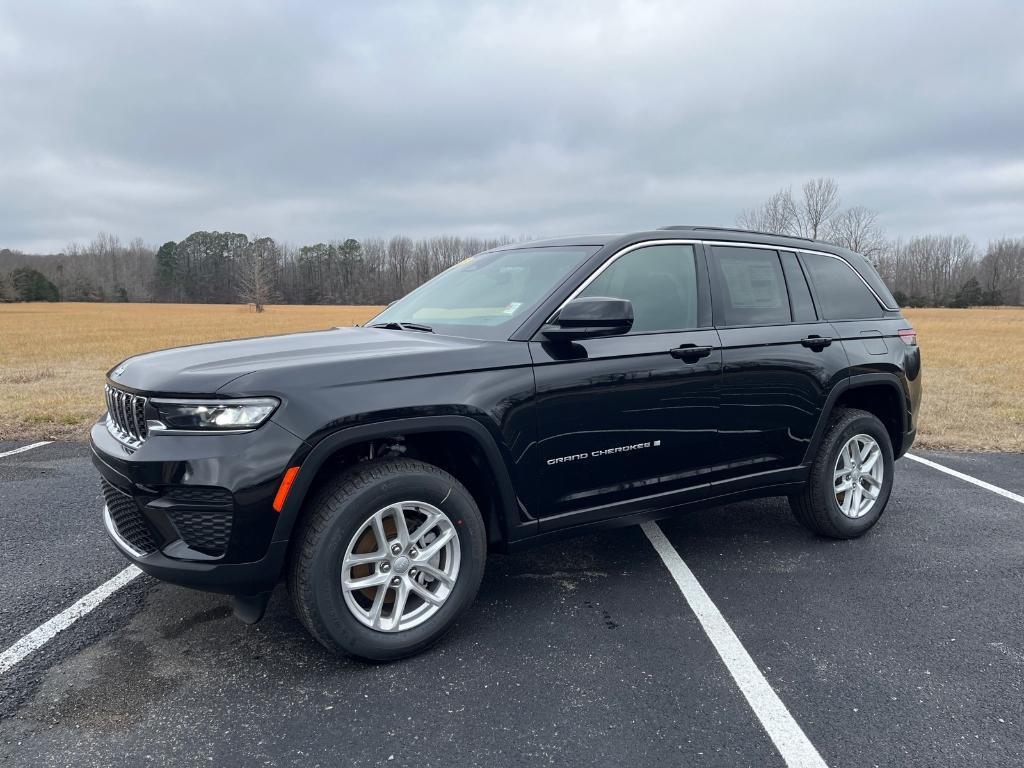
x: 126, y: 416
x: 128, y: 519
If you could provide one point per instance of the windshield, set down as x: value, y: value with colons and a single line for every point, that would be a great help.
x: 486, y: 296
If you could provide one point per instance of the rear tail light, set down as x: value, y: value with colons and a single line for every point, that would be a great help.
x: 908, y: 336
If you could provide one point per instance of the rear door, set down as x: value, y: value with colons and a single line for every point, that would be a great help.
x: 779, y: 358
x: 869, y: 332
x: 630, y: 422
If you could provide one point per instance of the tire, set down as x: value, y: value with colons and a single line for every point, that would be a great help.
x: 820, y: 506
x: 345, y: 520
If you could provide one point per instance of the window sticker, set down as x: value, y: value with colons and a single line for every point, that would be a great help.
x: 751, y: 285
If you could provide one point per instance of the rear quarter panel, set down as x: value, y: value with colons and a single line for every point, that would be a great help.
x: 874, y: 347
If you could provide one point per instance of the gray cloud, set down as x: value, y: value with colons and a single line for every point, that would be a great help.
x: 321, y: 120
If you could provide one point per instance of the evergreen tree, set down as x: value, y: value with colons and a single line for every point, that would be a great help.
x: 969, y: 295
x: 32, y: 285
x: 165, y: 276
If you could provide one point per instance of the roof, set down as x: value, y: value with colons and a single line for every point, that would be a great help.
x: 687, y: 231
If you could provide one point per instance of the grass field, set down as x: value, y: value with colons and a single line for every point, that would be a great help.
x: 53, y: 358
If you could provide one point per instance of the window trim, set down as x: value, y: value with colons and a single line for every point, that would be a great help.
x: 705, y: 294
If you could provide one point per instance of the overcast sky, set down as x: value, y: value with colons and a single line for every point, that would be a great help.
x: 313, y: 121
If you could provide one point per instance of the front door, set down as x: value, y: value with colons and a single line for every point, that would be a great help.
x: 629, y: 423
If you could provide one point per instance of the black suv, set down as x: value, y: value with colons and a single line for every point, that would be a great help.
x: 528, y: 393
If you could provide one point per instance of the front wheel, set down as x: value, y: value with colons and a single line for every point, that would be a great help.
x: 851, y: 479
x: 389, y: 555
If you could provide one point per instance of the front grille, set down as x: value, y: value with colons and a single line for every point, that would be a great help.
x: 126, y: 416
x: 207, y: 530
x: 129, y: 521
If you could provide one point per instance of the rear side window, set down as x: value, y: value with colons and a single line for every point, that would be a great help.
x: 660, y: 281
x: 749, y: 287
x: 842, y: 295
x: 799, y: 293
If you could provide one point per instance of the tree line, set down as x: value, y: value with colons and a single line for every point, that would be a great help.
x: 922, y: 271
x: 229, y: 267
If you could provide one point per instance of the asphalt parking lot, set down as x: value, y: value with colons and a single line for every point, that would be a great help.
x: 904, y: 648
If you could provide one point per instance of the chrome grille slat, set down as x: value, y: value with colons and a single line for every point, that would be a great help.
x: 123, y: 404
x: 135, y: 420
x: 126, y: 416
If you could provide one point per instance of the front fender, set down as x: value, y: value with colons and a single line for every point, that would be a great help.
x: 512, y: 526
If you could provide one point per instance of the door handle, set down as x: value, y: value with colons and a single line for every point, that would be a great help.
x: 815, y: 342
x: 690, y: 353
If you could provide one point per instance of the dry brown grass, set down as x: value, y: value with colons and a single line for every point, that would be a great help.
x: 53, y: 358
x: 973, y: 361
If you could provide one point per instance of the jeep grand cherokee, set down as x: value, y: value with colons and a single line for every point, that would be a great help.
x: 531, y: 392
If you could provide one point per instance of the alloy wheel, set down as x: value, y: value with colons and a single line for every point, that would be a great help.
x: 401, y: 566
x: 858, y: 475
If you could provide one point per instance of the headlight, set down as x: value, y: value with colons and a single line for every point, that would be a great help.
x: 214, y: 415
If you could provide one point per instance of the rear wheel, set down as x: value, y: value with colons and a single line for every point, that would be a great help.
x: 389, y: 555
x: 850, y: 481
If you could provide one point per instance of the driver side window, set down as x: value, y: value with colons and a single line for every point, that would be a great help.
x: 660, y: 281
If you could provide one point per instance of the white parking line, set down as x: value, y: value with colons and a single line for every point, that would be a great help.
x: 45, y: 632
x: 794, y: 746
x: 981, y: 483
x: 25, y: 448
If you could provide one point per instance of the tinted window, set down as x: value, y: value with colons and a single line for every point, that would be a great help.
x: 749, y: 287
x: 660, y: 280
x: 799, y: 294
x: 842, y: 295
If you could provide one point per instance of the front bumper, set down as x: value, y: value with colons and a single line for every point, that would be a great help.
x: 196, y: 510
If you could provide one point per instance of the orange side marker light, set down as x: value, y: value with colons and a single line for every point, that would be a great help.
x: 284, y: 488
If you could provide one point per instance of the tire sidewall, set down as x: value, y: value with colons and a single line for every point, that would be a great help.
x: 856, y: 425
x: 349, y: 514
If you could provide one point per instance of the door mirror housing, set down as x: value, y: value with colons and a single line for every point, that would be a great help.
x: 591, y: 317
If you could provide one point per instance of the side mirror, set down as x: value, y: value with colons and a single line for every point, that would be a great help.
x: 589, y: 318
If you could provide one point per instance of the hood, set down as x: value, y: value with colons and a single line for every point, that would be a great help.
x: 338, y: 356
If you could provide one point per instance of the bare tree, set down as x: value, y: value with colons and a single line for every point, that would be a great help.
x: 778, y: 215
x: 782, y: 214
x: 257, y: 282
x: 928, y: 270
x: 1002, y: 272
x: 855, y: 228
x: 820, y: 203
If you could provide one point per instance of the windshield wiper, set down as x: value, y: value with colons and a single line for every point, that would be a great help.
x: 393, y: 326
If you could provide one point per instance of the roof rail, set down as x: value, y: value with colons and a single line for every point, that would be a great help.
x: 737, y: 229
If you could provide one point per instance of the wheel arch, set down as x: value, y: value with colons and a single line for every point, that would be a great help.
x: 473, y: 442
x: 879, y: 393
